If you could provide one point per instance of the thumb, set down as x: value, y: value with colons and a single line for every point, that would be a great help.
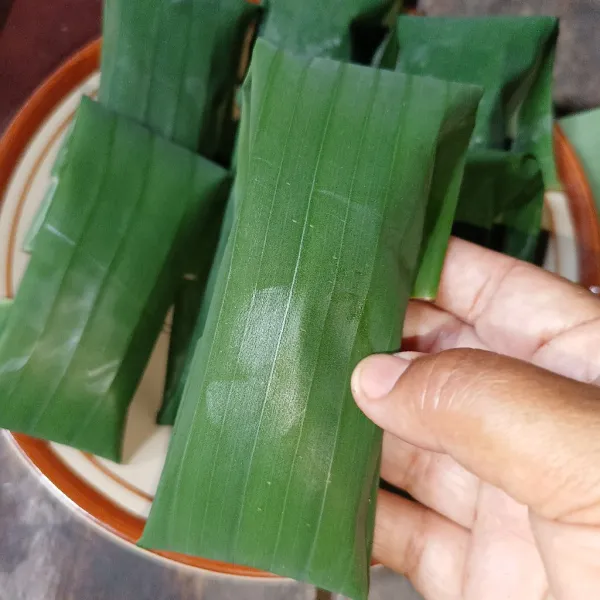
x: 528, y: 431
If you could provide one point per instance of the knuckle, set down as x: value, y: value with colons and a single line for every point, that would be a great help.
x: 449, y: 377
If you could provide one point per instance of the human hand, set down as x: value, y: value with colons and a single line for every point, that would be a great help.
x: 499, y: 443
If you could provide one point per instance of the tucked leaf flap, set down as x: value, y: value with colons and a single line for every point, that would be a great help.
x: 271, y: 463
x: 99, y: 282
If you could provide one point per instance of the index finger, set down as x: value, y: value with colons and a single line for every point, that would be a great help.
x: 521, y: 310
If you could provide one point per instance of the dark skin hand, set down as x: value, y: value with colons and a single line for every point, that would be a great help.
x: 493, y: 426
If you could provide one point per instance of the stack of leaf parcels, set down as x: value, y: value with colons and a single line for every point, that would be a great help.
x: 510, y: 160
x: 289, y: 247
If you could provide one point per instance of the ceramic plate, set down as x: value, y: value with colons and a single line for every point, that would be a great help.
x: 118, y: 497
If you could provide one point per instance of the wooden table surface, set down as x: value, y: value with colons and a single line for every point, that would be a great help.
x: 48, y: 551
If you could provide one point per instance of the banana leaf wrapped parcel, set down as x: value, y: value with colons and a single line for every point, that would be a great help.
x: 346, y: 186
x: 511, y: 159
x: 101, y: 278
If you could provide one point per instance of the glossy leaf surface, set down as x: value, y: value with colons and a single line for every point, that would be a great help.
x: 271, y: 463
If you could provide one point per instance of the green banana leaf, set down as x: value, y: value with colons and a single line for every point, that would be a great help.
x: 583, y: 131
x: 40, y: 216
x: 5, y: 307
x: 100, y: 281
x: 173, y: 66
x: 316, y: 28
x: 517, y: 230
x: 178, y: 367
x: 306, y: 28
x: 271, y: 463
x: 512, y: 58
x: 501, y: 186
x: 170, y: 65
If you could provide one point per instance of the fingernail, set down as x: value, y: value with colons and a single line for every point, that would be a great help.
x: 409, y: 355
x: 375, y: 376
